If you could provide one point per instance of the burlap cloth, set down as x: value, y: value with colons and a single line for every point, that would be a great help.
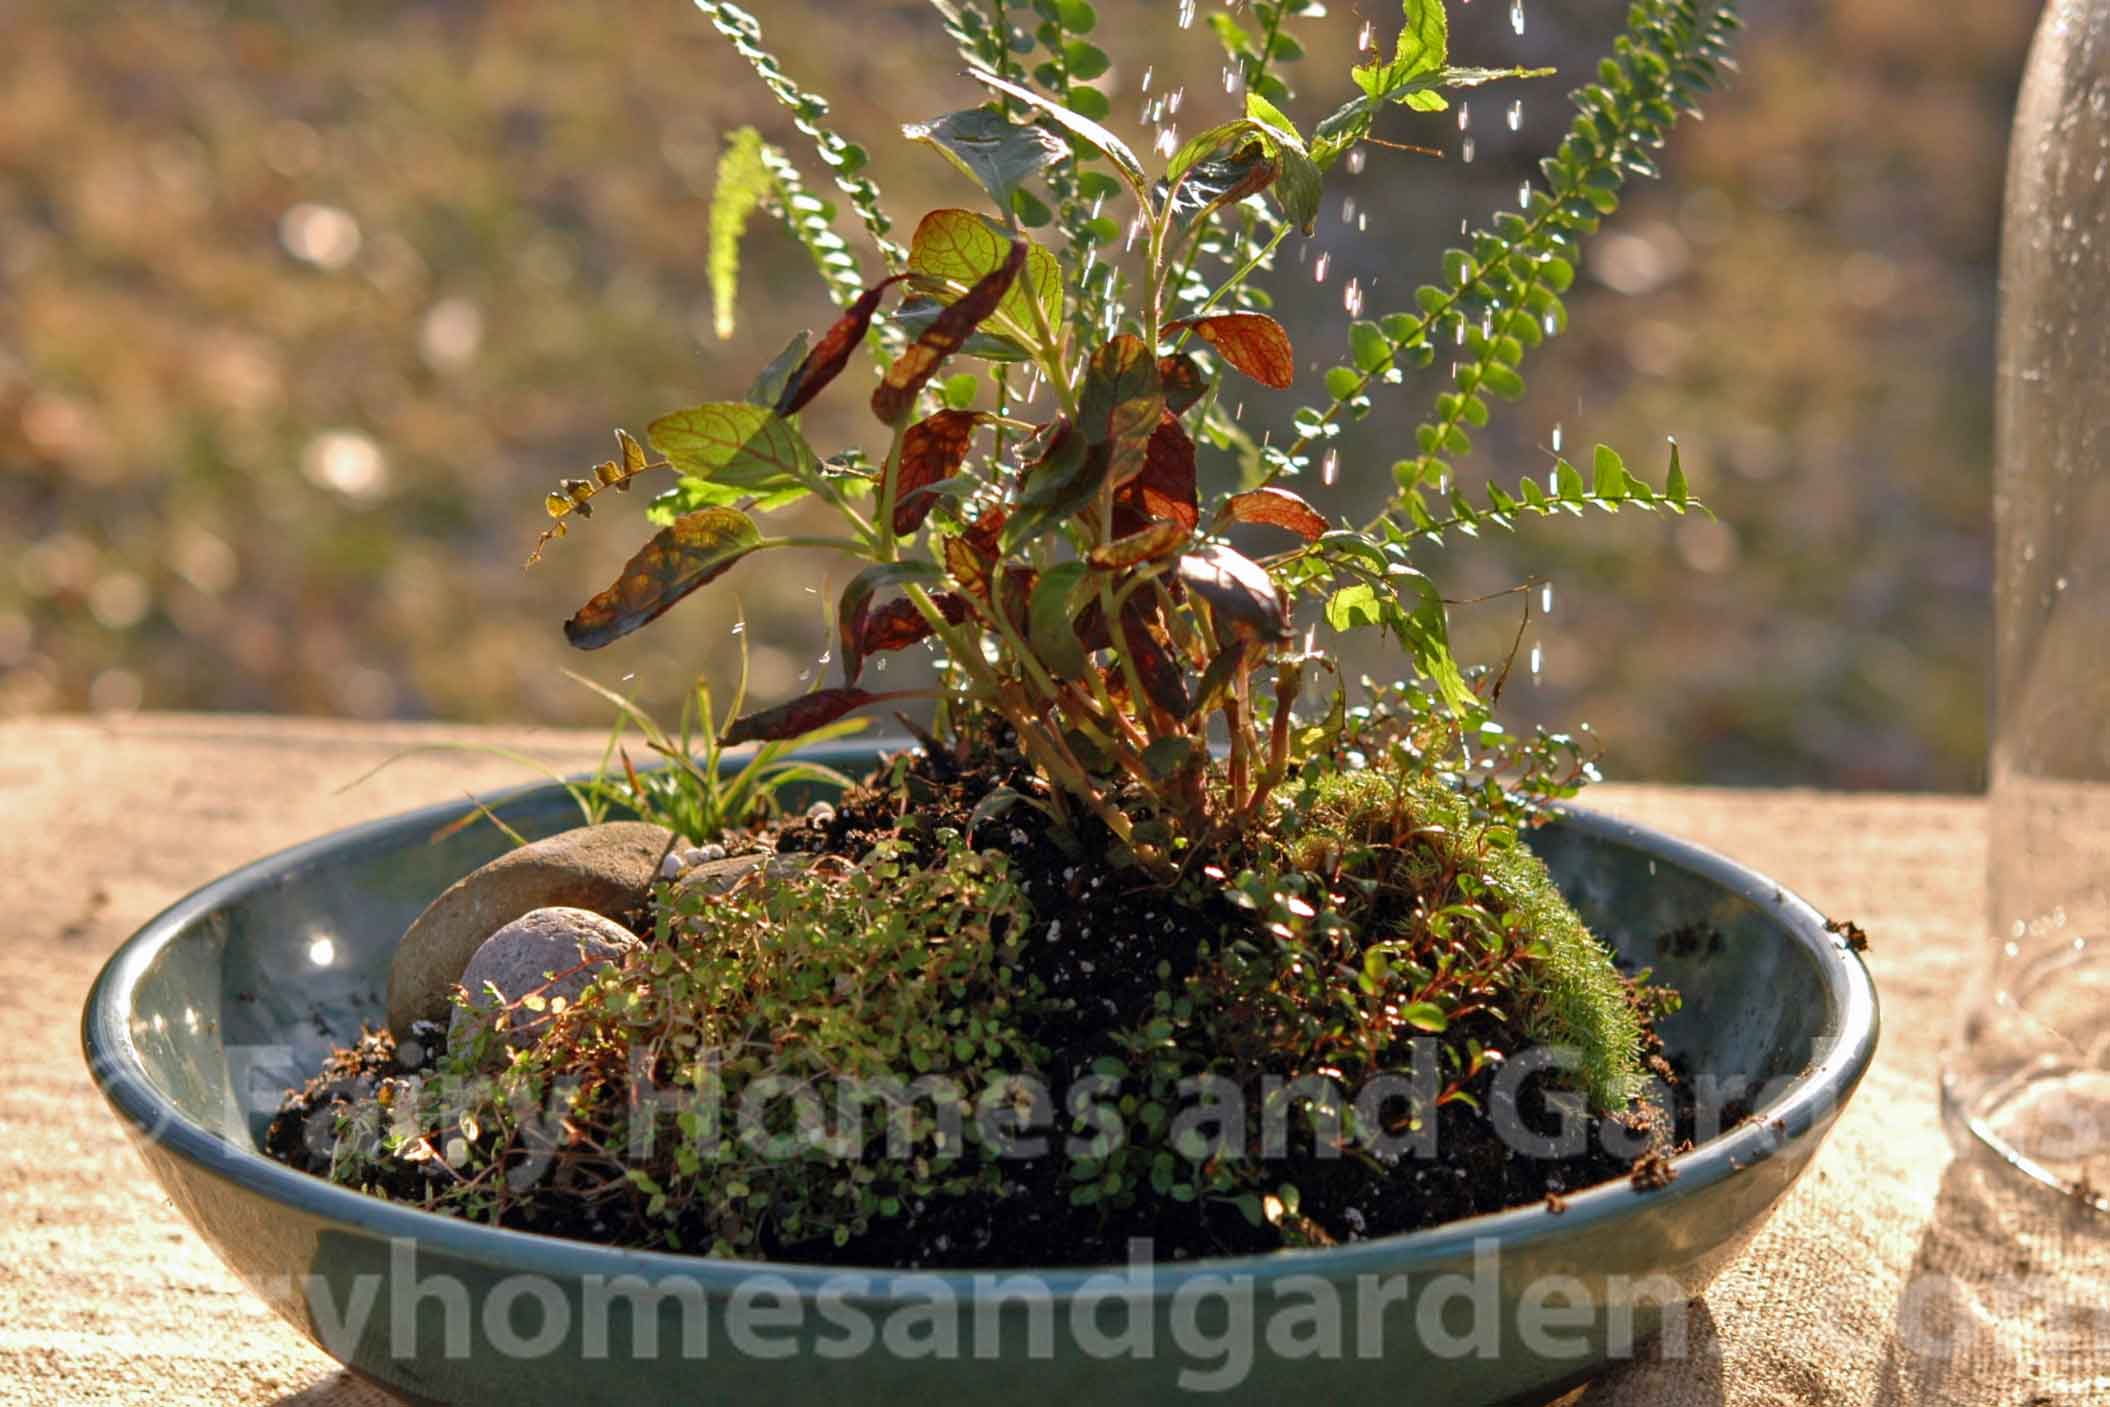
x: 1887, y: 1276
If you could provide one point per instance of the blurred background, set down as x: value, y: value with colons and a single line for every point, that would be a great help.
x: 304, y: 306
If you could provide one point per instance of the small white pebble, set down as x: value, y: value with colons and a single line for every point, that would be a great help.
x: 1054, y: 930
x: 671, y: 867
x: 713, y: 851
x: 820, y: 813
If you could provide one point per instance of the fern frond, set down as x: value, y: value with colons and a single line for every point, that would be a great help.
x: 575, y: 496
x: 1503, y: 295
x: 1612, y: 486
x: 845, y: 158
x: 743, y: 182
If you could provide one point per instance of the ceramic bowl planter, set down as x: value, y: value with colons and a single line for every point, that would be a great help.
x: 203, y: 1017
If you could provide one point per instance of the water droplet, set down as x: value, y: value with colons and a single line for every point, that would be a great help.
x: 1168, y: 141
x: 1523, y: 195
x: 1186, y: 13
x: 1538, y: 660
x: 1318, y: 269
x: 1546, y: 599
x: 1516, y: 114
x: 1172, y: 102
x: 1330, y: 467
x: 1364, y: 36
x: 1556, y: 437
x: 826, y: 657
x: 1348, y: 210
x: 1356, y: 159
x: 1144, y: 86
x: 1352, y: 298
x: 1465, y: 149
x: 1516, y: 15
x: 739, y: 627
x: 1230, y: 79
x: 1465, y: 117
x: 1548, y: 323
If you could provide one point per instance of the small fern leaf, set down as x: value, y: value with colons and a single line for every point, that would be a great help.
x: 575, y: 496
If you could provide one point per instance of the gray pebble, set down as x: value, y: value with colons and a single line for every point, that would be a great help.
x: 517, y: 958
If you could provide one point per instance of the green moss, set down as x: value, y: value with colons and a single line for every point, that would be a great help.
x: 1426, y: 865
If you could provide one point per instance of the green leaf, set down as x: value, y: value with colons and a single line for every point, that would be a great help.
x: 1353, y: 607
x: 998, y: 154
x: 1423, y: 47
x: 1084, y: 61
x: 1078, y: 125
x: 769, y: 384
x: 1609, y: 474
x: 735, y: 445
x: 743, y: 182
x: 961, y: 247
x: 1369, y: 345
x: 1050, y: 617
x: 1425, y: 629
x: 1425, y: 1016
x: 1298, y: 186
x: 1571, y: 484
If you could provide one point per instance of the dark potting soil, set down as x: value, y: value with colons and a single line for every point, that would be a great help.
x: 1116, y: 929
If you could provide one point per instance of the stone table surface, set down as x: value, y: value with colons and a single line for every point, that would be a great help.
x: 1881, y: 1278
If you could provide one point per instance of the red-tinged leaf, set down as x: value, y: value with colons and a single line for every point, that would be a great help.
x: 797, y: 718
x: 969, y: 568
x: 855, y: 606
x: 988, y: 530
x: 828, y: 358
x: 1120, y: 402
x: 695, y: 548
x: 1253, y: 342
x: 1184, y: 382
x: 1277, y: 508
x: 931, y: 450
x: 1241, y: 595
x: 1018, y: 597
x: 1160, y: 539
x: 897, y: 624
x: 1155, y: 664
x: 1164, y: 490
x: 896, y: 395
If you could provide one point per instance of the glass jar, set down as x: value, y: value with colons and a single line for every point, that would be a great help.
x: 2026, y: 1082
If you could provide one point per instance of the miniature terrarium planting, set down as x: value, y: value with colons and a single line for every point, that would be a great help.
x: 1161, y: 928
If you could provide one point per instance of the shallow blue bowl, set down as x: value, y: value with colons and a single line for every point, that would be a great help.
x: 201, y: 1020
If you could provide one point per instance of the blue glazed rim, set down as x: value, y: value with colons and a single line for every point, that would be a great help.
x: 1804, y: 1109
